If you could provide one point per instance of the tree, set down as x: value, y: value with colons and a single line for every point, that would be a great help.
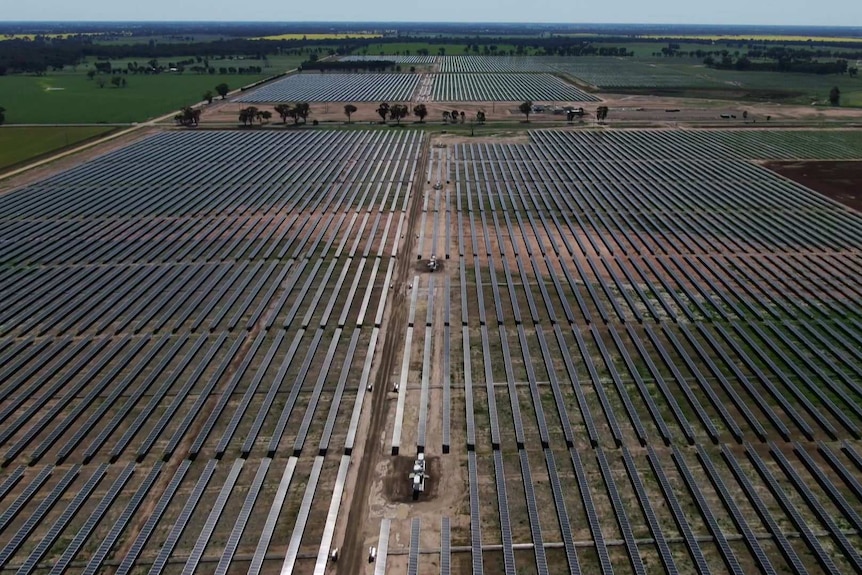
x: 2, y: 115
x: 745, y: 114
x: 348, y: 110
x: 100, y: 82
x: 463, y: 116
x: 302, y: 110
x: 454, y: 116
x: 208, y: 96
x: 263, y: 115
x: 285, y: 111
x: 398, y: 111
x: 115, y: 81
x: 835, y: 96
x: 383, y: 110
x: 480, y: 116
x: 188, y: 116
x: 525, y: 108
x: 420, y: 111
x: 601, y: 113
x: 91, y: 74
x: 248, y: 115
x: 222, y: 90
x: 446, y: 116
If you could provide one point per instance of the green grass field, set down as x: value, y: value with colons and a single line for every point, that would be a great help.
x: 19, y: 144
x: 69, y: 97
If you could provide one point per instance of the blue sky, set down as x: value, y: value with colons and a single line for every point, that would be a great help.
x: 787, y: 12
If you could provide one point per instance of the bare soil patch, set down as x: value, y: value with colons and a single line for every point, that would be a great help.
x: 835, y: 180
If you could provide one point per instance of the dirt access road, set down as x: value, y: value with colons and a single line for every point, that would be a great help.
x: 353, y: 550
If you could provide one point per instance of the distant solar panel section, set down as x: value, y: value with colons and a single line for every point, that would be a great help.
x: 311, y: 87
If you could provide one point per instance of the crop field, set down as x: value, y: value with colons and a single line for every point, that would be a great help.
x: 505, y: 87
x: 19, y: 144
x: 313, y: 87
x: 73, y: 98
x: 186, y: 351
x: 641, y: 353
x: 642, y: 356
x: 621, y: 73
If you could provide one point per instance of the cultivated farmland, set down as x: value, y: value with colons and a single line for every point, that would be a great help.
x: 505, y: 87
x: 220, y: 352
x: 312, y: 87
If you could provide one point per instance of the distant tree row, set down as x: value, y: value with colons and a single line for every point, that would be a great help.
x: 805, y: 66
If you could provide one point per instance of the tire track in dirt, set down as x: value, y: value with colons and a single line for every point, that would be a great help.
x: 351, y: 560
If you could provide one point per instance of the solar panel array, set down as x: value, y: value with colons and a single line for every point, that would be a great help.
x: 639, y: 305
x: 165, y: 325
x: 657, y: 366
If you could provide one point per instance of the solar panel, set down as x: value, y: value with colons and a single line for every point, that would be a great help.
x: 503, y: 508
x: 787, y: 550
x: 302, y: 517
x: 86, y: 529
x: 149, y: 526
x: 413, y: 557
x: 182, y: 520
x: 679, y: 517
x: 820, y: 512
x: 727, y: 554
x: 475, y: 519
x: 654, y: 525
x: 738, y: 518
x: 382, y: 548
x: 62, y: 521
x: 445, y: 547
x: 272, y: 517
x: 212, y: 519
x: 620, y: 513
x: 510, y: 384
x: 250, y: 392
x: 11, y: 480
x: 26, y: 495
x: 123, y: 520
x: 311, y: 407
x: 157, y: 396
x: 242, y: 518
x: 533, y: 514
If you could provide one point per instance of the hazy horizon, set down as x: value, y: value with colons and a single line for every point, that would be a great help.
x: 671, y: 12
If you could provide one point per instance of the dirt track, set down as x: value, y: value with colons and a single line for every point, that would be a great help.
x: 352, y: 550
